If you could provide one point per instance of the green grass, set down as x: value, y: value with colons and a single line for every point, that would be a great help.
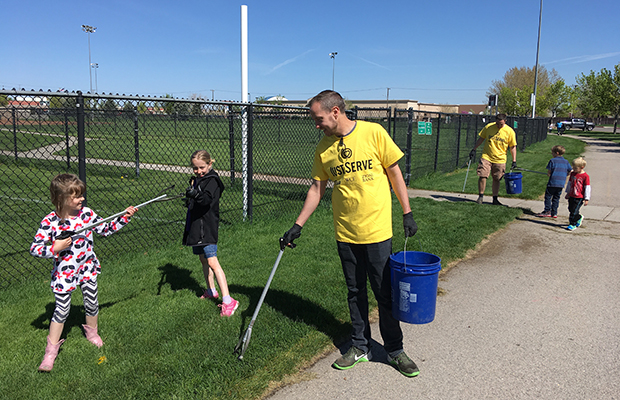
x: 162, y: 341
x: 535, y: 158
x: 599, y: 135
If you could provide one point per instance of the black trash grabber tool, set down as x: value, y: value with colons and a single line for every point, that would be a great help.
x: 242, y: 346
x: 160, y: 197
x: 529, y: 170
x: 466, y: 174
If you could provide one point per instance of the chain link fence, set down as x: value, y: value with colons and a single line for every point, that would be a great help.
x: 128, y: 149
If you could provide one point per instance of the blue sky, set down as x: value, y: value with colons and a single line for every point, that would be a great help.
x: 432, y: 51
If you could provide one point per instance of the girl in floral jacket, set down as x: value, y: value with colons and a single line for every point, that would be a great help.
x: 75, y: 262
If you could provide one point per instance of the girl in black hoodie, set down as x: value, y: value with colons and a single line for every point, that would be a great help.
x: 201, y: 227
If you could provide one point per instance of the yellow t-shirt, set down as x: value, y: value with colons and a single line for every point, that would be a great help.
x: 361, y: 199
x: 497, y: 142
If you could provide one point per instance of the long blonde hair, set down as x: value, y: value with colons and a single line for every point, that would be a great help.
x: 62, y: 188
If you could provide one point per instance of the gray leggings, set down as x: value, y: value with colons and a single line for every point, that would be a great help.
x: 63, y: 302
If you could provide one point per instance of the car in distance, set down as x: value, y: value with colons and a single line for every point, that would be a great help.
x: 578, y: 123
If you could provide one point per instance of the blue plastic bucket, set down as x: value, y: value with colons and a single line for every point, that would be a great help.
x: 414, y: 286
x: 513, y: 182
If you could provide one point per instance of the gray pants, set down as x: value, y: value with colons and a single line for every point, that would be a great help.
x: 361, y: 261
x: 63, y: 302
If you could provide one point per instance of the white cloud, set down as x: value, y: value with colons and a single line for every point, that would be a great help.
x: 290, y: 60
x: 582, y: 59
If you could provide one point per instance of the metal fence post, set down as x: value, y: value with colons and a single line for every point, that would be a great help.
x: 408, y: 149
x: 136, y: 137
x: 389, y: 121
x: 458, y: 143
x: 231, y: 144
x: 437, y: 143
x: 81, y: 140
x: 67, y: 138
x: 250, y: 171
x: 14, y: 115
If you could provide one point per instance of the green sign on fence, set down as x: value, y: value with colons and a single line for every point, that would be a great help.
x: 425, y: 128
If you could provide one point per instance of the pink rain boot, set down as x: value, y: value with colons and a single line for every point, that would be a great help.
x: 92, y: 336
x: 51, y: 351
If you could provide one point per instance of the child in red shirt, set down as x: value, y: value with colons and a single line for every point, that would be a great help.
x: 577, y: 193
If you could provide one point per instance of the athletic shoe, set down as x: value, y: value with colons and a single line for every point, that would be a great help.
x: 479, y: 201
x: 571, y: 227
x: 554, y: 216
x: 228, y: 309
x: 544, y: 215
x: 350, y: 358
x: 206, y: 295
x: 578, y: 224
x: 405, y: 365
x: 497, y: 203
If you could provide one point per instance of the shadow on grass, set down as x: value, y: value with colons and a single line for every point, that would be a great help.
x: 178, y: 279
x: 295, y: 308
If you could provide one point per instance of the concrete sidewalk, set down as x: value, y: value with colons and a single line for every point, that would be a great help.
x: 532, y: 314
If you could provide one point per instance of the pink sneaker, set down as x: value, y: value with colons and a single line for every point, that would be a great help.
x: 228, y: 309
x: 206, y: 295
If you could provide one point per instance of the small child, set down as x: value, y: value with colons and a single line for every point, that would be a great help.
x: 557, y: 169
x: 75, y: 262
x: 577, y: 193
x: 202, y: 225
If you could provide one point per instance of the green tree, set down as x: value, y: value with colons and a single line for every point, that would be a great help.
x: 590, y: 96
x: 62, y: 102
x: 609, y: 92
x: 109, y: 105
x: 557, y: 99
x: 514, y: 90
x: 196, y: 109
x: 4, y: 101
x: 142, y: 108
x: 128, y: 106
x: 514, y: 101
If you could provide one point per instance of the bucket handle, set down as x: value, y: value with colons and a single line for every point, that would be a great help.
x: 405, y: 252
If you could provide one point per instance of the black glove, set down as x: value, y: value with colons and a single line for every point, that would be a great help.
x: 409, y: 224
x: 289, y: 236
x: 514, y: 165
x: 191, y: 193
x: 472, y: 154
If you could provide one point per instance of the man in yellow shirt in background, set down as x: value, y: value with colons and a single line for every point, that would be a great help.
x: 362, y: 161
x: 497, y: 137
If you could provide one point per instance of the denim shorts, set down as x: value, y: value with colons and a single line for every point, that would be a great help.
x: 209, y: 250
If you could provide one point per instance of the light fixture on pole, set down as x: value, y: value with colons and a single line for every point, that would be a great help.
x: 96, y: 67
x: 333, y: 57
x: 89, y: 29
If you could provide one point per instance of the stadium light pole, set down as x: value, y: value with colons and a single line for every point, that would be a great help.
x: 96, y: 67
x: 536, y: 67
x: 333, y: 57
x: 89, y: 29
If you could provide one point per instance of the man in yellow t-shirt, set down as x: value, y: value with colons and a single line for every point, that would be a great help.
x: 361, y: 159
x: 497, y: 137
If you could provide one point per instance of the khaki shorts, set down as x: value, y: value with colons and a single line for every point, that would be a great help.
x: 496, y: 170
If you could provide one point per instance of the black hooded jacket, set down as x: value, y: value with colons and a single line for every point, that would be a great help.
x: 203, y: 211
